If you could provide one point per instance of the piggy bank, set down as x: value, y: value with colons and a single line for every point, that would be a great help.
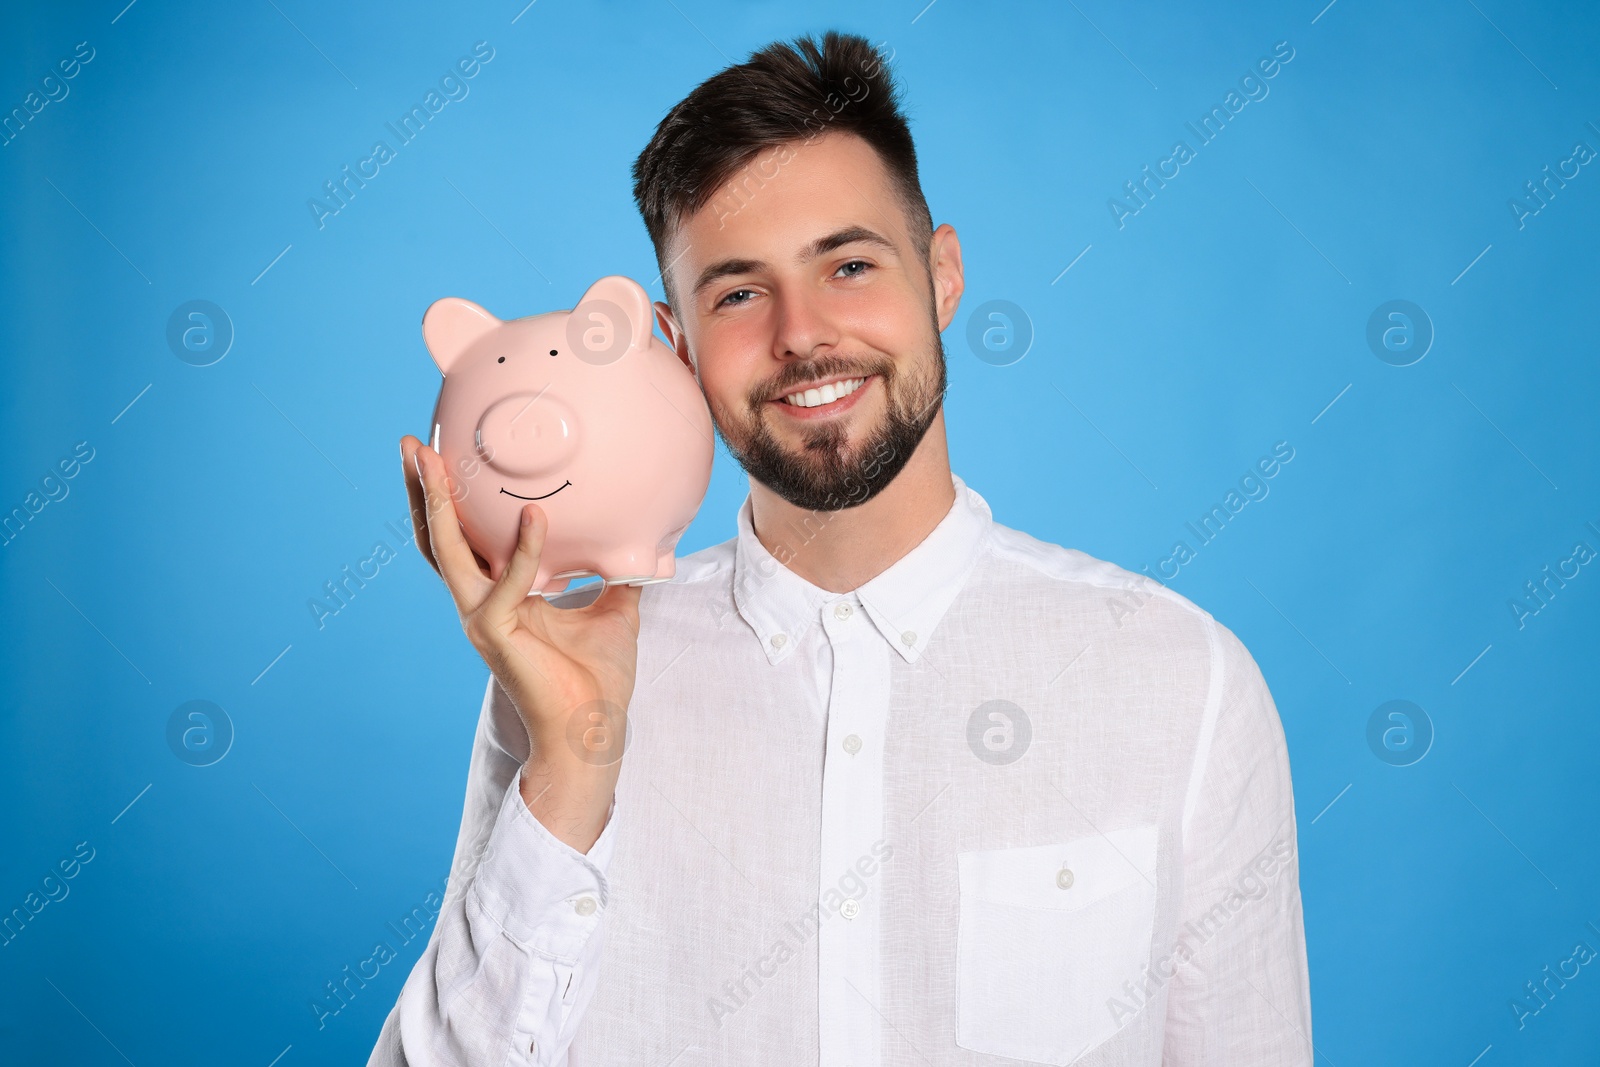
x: 585, y: 413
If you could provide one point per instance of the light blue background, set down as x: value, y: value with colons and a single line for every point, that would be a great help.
x: 1190, y: 341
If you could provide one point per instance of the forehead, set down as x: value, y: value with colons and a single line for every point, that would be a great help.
x: 783, y: 199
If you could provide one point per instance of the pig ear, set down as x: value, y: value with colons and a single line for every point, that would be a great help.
x: 624, y: 295
x: 449, y: 327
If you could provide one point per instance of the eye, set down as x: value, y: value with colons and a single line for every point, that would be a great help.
x: 863, y: 264
x: 502, y: 359
x: 729, y: 298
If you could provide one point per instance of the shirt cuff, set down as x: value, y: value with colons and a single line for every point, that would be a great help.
x: 545, y: 894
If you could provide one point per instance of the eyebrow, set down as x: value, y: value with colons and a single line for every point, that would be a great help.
x: 820, y: 247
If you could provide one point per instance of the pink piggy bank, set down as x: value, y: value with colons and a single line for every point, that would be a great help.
x: 584, y: 412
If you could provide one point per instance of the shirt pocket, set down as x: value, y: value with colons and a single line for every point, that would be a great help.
x: 1048, y: 935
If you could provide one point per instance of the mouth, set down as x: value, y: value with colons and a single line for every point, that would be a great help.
x: 551, y: 493
x: 824, y: 400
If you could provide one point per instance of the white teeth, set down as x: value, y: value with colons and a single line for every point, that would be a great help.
x: 827, y: 394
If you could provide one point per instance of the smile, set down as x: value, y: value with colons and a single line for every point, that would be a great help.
x: 551, y: 493
x: 825, y: 394
x: 832, y: 398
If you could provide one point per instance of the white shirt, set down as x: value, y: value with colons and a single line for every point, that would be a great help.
x: 1003, y: 802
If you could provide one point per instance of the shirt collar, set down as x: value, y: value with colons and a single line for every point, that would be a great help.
x: 906, y: 602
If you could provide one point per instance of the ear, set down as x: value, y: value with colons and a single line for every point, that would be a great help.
x: 624, y: 294
x: 449, y: 327
x: 669, y: 330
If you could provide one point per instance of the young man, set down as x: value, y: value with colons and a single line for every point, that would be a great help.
x: 903, y: 785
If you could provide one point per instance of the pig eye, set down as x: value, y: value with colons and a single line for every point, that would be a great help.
x: 502, y: 359
x: 552, y: 351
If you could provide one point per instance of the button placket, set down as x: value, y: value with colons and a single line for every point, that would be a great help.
x: 849, y: 967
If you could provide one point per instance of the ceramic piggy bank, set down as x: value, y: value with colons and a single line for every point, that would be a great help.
x: 584, y: 412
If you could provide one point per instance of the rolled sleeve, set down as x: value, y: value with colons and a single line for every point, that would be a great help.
x: 543, y: 893
x: 513, y: 958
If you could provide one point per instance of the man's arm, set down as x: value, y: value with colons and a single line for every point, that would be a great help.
x: 1240, y: 995
x: 512, y: 960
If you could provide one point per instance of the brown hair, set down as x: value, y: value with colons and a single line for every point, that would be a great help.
x: 781, y: 94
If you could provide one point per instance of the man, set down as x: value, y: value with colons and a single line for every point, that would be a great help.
x: 903, y: 785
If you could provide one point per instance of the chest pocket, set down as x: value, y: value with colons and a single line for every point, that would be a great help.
x: 1048, y: 935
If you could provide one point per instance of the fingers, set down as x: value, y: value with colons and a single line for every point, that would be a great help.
x: 516, y: 581
x: 419, y: 515
x: 620, y: 598
x: 451, y: 553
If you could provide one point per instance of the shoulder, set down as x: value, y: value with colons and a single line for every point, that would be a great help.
x: 1122, y: 613
x: 700, y: 579
x: 1070, y: 579
x: 703, y: 565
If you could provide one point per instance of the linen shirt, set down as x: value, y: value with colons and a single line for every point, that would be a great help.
x: 1004, y: 802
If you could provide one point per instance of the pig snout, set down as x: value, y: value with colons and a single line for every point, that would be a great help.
x: 527, y: 435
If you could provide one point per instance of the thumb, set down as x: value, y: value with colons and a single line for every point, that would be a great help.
x: 621, y: 598
x: 516, y: 581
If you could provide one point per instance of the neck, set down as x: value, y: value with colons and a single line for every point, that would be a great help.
x: 842, y: 550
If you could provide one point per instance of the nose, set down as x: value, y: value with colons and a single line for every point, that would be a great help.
x: 801, y: 328
x: 527, y: 435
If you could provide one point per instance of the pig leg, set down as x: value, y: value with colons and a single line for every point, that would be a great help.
x: 554, y: 586
x: 665, y: 568
x: 624, y: 566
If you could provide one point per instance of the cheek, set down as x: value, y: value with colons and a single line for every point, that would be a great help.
x: 729, y: 363
x: 895, y: 321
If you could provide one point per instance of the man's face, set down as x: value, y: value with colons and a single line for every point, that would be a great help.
x: 799, y: 273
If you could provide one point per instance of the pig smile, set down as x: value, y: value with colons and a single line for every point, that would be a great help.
x: 551, y: 493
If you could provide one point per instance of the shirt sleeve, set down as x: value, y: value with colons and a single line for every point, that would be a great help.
x: 1240, y: 993
x: 512, y: 960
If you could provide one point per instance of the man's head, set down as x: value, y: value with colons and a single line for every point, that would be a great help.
x: 796, y: 250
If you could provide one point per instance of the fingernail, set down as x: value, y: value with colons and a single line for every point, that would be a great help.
x: 527, y: 518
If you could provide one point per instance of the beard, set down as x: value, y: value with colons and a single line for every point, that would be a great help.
x: 827, y: 473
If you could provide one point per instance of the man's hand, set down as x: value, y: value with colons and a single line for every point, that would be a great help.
x: 568, y: 671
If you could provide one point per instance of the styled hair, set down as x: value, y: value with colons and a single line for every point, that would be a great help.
x: 784, y: 93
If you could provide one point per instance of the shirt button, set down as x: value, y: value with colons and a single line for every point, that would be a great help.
x: 1064, y: 878
x: 852, y: 744
x: 778, y: 640
x: 850, y: 908
x: 585, y: 906
x: 842, y: 610
x: 909, y: 637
